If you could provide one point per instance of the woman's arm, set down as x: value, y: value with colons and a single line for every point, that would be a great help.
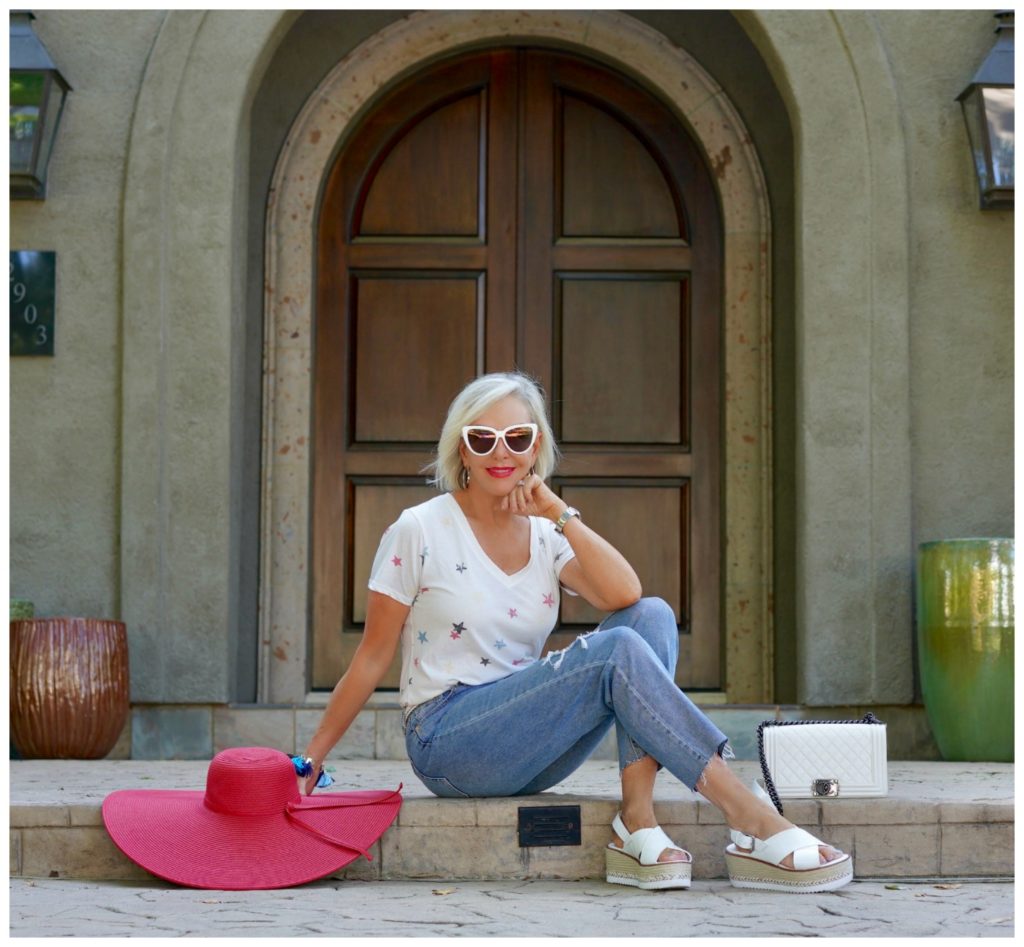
x: 381, y: 634
x: 598, y: 572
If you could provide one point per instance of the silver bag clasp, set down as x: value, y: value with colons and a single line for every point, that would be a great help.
x: 825, y: 787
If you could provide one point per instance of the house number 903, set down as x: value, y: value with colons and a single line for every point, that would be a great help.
x: 33, y: 294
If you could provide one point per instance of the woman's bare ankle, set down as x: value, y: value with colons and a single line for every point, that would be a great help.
x: 638, y: 818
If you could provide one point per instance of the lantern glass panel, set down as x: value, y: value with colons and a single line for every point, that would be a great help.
x: 999, y: 119
x: 27, y: 100
x: 53, y: 103
x: 971, y: 103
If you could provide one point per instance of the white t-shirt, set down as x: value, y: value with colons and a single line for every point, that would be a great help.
x: 470, y: 622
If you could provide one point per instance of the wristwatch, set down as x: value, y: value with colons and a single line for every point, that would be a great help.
x: 567, y: 514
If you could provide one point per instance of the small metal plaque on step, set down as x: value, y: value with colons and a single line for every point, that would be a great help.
x: 549, y: 825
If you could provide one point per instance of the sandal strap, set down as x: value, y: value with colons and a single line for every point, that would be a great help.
x: 741, y: 839
x: 645, y: 845
x: 796, y: 841
x: 653, y: 843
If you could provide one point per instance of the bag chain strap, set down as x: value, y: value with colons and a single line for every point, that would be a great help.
x: 768, y: 782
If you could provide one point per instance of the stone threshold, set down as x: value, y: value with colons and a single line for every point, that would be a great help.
x: 939, y: 820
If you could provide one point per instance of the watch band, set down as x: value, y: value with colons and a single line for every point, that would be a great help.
x: 567, y: 514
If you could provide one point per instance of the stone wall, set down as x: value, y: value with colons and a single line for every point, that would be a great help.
x: 961, y: 287
x: 65, y: 413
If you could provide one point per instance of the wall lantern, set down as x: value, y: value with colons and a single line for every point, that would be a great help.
x: 38, y: 91
x: 988, y: 110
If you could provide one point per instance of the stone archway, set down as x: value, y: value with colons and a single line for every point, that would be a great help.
x: 192, y: 112
x: 329, y: 114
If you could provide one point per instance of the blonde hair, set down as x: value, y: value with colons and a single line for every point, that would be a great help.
x: 473, y: 401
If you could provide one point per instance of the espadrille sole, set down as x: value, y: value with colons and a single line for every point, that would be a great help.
x: 623, y: 869
x: 748, y: 872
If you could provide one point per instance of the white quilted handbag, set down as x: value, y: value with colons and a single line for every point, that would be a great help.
x: 816, y: 759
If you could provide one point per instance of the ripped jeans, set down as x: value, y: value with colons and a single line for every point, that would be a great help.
x: 530, y: 730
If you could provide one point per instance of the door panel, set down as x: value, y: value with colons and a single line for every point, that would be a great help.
x: 613, y: 187
x: 659, y: 556
x: 375, y: 502
x: 621, y: 335
x: 399, y: 394
x: 443, y: 147
x: 522, y: 208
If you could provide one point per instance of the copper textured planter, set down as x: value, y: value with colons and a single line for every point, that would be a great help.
x: 69, y: 687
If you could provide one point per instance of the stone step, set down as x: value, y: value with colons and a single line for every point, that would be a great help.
x: 948, y: 820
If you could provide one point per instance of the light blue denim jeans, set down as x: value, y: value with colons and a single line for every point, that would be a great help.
x: 528, y: 731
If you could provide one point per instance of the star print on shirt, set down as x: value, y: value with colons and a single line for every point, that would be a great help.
x: 396, y: 560
x: 461, y: 567
x: 424, y: 554
x: 422, y: 635
x: 549, y: 600
x: 540, y: 539
x: 457, y: 629
x: 499, y: 644
x: 485, y: 661
x: 558, y: 556
x: 512, y: 613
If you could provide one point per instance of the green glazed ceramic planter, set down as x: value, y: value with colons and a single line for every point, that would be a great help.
x: 965, y: 646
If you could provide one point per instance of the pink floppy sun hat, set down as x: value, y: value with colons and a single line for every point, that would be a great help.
x: 250, y: 829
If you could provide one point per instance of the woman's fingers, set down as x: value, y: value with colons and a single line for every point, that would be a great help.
x: 307, y: 783
x: 523, y: 498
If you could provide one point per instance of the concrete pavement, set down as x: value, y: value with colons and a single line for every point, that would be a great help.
x: 509, y: 909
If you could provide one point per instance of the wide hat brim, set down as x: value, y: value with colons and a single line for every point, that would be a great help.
x: 175, y: 836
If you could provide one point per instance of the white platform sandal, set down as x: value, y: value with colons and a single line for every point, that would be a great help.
x: 754, y: 863
x: 636, y: 863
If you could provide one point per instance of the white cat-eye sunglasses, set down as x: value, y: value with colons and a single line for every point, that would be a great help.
x: 481, y: 439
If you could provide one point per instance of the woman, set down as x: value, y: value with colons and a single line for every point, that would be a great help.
x: 469, y: 581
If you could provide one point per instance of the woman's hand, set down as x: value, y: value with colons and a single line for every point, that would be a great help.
x: 308, y: 783
x: 598, y: 571
x: 533, y: 497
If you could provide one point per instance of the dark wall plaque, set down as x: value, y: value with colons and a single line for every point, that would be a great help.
x: 33, y: 301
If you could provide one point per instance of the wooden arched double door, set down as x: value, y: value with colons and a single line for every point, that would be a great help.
x: 522, y: 208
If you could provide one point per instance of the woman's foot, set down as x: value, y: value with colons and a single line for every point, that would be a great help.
x: 648, y: 821
x: 747, y: 812
x: 646, y: 858
x: 764, y: 822
x: 638, y: 803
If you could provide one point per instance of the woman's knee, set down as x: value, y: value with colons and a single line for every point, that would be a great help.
x: 655, y: 621
x: 648, y: 612
x: 656, y: 610
x: 622, y: 644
